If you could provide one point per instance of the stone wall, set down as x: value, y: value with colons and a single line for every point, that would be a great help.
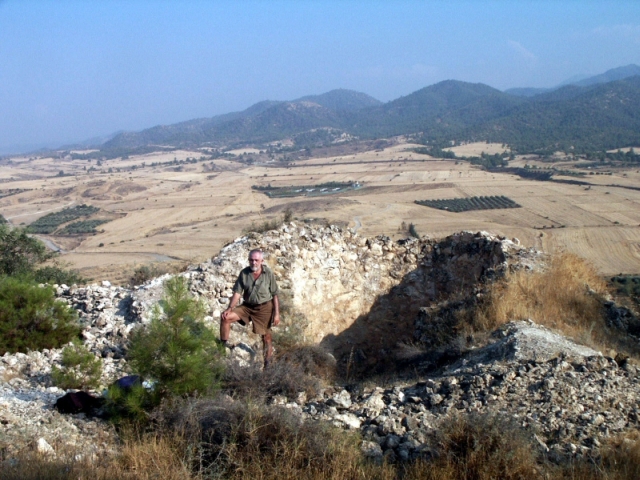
x: 330, y: 278
x: 350, y: 293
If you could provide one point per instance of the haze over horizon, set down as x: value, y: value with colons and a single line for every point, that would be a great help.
x: 73, y: 70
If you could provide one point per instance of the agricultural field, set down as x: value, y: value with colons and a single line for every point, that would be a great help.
x: 50, y: 222
x: 83, y: 226
x: 10, y: 191
x: 475, y: 149
x: 181, y: 206
x: 319, y: 190
x: 470, y: 203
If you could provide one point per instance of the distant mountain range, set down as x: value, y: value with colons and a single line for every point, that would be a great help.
x: 264, y: 121
x: 594, y: 113
x: 581, y: 81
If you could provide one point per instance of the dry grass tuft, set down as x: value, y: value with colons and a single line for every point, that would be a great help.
x: 621, y: 458
x: 281, y: 378
x: 480, y: 447
x: 312, y: 359
x: 618, y: 459
x: 140, y: 458
x: 153, y: 456
x: 248, y: 440
x: 567, y: 296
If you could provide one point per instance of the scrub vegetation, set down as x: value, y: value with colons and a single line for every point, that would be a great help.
x: 202, y: 421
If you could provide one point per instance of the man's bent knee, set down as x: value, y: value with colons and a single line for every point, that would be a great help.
x: 231, y: 318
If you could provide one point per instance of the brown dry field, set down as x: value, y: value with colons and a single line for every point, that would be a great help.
x: 164, y: 215
x: 475, y: 149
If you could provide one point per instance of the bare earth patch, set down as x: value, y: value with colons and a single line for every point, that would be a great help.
x: 189, y: 213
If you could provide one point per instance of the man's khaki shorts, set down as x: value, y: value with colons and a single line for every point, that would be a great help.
x: 259, y: 315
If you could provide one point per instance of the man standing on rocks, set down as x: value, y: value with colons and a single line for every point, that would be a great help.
x: 259, y: 290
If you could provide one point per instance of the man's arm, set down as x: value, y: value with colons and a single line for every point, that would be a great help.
x: 232, y: 304
x: 276, y: 310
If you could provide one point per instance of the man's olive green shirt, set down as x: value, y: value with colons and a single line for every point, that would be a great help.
x: 259, y: 291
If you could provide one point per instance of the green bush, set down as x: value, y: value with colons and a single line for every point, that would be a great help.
x: 130, y: 404
x: 32, y: 319
x: 80, y: 368
x: 177, y: 351
x: 56, y: 274
x: 144, y: 273
x: 19, y: 252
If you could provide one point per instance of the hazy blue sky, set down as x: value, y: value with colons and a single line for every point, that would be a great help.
x: 71, y: 70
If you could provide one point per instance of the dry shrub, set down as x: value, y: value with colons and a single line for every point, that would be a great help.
x: 301, y: 368
x: 144, y: 273
x: 619, y: 459
x: 36, y: 467
x: 566, y: 296
x: 280, y: 378
x: 265, y: 226
x: 153, y: 456
x: 248, y: 440
x: 140, y: 458
x: 480, y: 447
x: 312, y: 359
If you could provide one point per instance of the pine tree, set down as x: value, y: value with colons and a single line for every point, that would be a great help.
x: 177, y: 351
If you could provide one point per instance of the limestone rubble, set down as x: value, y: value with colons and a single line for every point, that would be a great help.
x: 572, y: 400
x: 338, y: 289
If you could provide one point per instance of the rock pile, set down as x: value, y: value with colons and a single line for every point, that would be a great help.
x: 573, y: 401
x: 105, y: 315
x: 341, y: 289
x: 330, y: 276
x: 27, y: 416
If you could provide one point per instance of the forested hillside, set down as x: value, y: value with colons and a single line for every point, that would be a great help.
x: 586, y: 119
x: 263, y: 121
x: 594, y: 117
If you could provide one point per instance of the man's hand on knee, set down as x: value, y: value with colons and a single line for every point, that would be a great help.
x: 229, y: 316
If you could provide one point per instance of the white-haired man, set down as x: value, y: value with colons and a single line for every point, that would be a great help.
x: 256, y: 285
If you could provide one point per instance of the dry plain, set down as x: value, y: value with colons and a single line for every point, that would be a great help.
x: 163, y: 212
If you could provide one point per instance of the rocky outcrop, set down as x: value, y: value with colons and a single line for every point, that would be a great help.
x: 524, y: 341
x: 27, y: 414
x: 358, y: 298
x: 330, y: 276
x: 573, y: 397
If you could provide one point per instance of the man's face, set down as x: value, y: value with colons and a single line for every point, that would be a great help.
x: 255, y: 262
